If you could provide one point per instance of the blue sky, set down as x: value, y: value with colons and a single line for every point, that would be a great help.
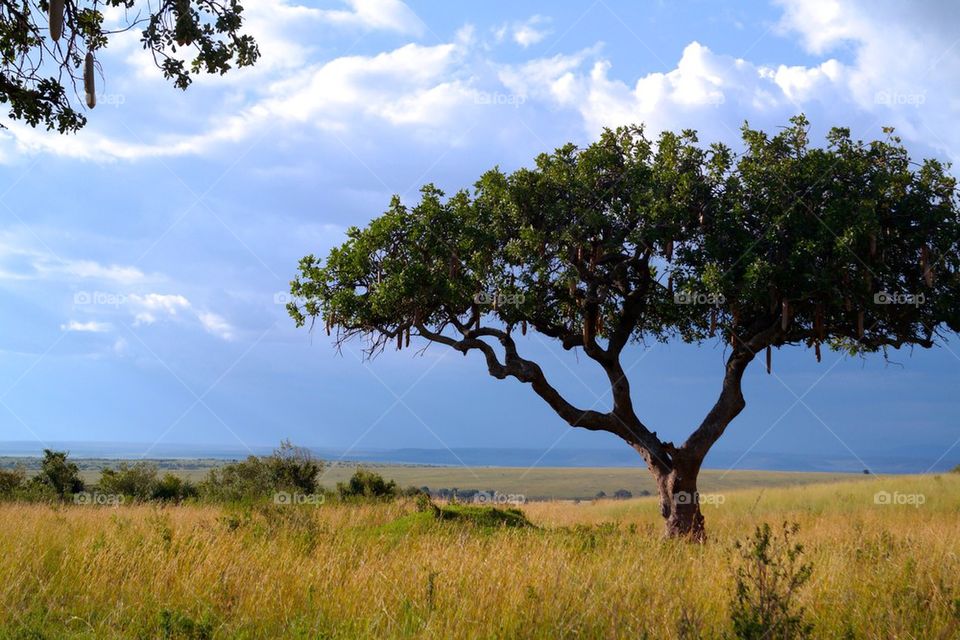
x: 143, y: 262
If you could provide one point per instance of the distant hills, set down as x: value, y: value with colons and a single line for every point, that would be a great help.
x: 915, y: 462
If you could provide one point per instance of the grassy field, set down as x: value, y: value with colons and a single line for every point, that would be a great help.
x: 596, y: 569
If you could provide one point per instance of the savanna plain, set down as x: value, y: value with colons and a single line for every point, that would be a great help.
x: 882, y: 553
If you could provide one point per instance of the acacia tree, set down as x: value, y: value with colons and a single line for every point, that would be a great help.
x: 850, y: 246
x: 48, y: 48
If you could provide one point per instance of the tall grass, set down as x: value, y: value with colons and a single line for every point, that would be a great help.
x: 588, y: 570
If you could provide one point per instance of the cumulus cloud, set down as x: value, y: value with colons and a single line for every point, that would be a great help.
x: 413, y: 85
x: 433, y: 89
x: 906, y: 60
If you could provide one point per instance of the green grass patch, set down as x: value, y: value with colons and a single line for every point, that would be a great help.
x: 488, y: 518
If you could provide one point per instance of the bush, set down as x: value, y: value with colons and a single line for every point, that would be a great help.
x: 237, y: 481
x: 288, y: 468
x: 170, y: 488
x: 622, y: 494
x: 769, y: 576
x: 138, y: 480
x: 367, y: 484
x: 58, y: 474
x: 11, y: 481
x: 294, y: 468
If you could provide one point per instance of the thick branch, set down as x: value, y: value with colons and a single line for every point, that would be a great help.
x: 523, y: 370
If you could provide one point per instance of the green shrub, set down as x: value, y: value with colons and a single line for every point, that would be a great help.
x: 59, y: 474
x: 170, y: 488
x: 11, y: 481
x: 288, y: 468
x: 769, y: 576
x: 294, y: 468
x: 138, y: 480
x: 367, y: 484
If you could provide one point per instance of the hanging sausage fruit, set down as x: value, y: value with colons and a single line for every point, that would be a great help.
x: 56, y: 19
x: 769, y: 359
x: 89, y: 84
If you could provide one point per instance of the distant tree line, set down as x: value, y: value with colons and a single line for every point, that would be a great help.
x: 289, y: 470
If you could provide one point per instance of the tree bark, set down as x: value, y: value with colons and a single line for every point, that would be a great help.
x: 680, y: 501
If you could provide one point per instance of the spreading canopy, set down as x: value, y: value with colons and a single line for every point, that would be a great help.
x: 850, y: 246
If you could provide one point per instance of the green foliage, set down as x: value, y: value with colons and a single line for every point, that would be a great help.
x: 288, y: 468
x: 367, y: 484
x: 293, y: 467
x: 138, y: 480
x: 11, y: 481
x: 604, y: 241
x: 58, y: 474
x: 770, y: 574
x: 170, y: 488
x: 184, y: 37
x: 176, y: 625
x: 484, y: 518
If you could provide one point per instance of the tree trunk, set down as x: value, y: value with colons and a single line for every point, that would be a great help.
x: 680, y: 502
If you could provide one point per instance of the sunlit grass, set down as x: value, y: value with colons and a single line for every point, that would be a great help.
x: 593, y: 569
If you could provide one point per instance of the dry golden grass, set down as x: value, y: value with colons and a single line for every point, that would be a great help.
x: 594, y: 570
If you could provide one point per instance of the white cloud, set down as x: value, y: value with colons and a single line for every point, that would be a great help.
x: 216, y: 325
x: 157, y: 307
x: 906, y: 61
x: 21, y: 261
x: 526, y: 33
x: 412, y: 85
x: 113, y: 273
x: 120, y: 346
x: 388, y: 15
x: 434, y: 89
x: 150, y: 307
x: 530, y: 32
x: 87, y: 327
